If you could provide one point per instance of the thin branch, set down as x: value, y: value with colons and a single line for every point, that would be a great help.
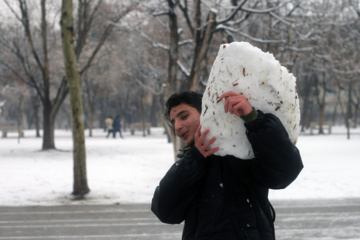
x: 13, y: 11
x: 83, y: 28
x: 185, y: 42
x: 280, y: 19
x: 147, y: 38
x: 158, y: 14
x: 104, y: 36
x: 296, y: 49
x: 31, y: 83
x: 184, y: 9
x: 296, y: 5
x: 232, y: 15
x: 259, y: 40
x: 347, y: 72
x: 26, y: 23
x: 183, y: 69
x: 145, y: 86
x: 265, y: 11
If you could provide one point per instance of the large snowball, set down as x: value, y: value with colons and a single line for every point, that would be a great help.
x: 269, y: 87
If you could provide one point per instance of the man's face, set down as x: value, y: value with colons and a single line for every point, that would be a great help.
x: 185, y: 119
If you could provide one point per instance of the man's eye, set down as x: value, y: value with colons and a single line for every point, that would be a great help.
x: 184, y: 116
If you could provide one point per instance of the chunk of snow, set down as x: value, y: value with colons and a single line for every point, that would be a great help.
x: 268, y: 86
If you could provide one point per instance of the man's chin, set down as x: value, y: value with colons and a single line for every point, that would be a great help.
x: 189, y: 142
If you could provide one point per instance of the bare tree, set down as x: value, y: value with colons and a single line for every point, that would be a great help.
x: 38, y: 66
x: 202, y: 23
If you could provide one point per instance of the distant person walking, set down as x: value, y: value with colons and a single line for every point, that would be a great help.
x: 117, y: 127
x: 109, y: 125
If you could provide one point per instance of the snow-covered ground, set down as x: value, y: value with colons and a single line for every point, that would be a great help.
x: 128, y: 170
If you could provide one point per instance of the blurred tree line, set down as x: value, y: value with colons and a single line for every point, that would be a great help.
x: 132, y: 55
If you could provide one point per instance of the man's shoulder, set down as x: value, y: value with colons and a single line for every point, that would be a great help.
x: 190, y: 153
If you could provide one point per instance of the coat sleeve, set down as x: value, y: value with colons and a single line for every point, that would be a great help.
x: 177, y: 190
x: 277, y: 161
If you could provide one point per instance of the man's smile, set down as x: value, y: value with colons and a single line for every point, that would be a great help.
x: 184, y: 135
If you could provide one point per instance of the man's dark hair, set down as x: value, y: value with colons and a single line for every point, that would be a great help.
x: 190, y: 98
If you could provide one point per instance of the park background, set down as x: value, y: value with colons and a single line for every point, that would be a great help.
x: 123, y: 171
x: 130, y: 56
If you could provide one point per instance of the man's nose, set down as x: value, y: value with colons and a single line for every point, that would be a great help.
x: 178, y: 125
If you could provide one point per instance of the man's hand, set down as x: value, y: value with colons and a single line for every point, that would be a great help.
x: 236, y: 103
x: 203, y: 147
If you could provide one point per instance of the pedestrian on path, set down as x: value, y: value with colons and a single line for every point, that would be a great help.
x: 117, y: 127
x: 109, y: 125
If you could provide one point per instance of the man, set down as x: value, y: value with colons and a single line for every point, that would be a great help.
x: 224, y: 197
x: 117, y: 126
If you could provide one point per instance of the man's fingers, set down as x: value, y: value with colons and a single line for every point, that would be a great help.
x: 229, y: 100
x: 228, y: 94
x: 237, y: 108
x: 203, y: 135
x: 208, y: 143
x: 212, y: 151
x: 199, y: 138
x: 229, y: 104
x: 236, y: 103
x: 230, y: 108
x: 203, y: 147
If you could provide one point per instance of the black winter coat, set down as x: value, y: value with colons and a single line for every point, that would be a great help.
x: 116, y: 123
x: 225, y: 197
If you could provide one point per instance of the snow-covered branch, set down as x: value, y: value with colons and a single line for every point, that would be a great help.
x: 346, y: 72
x: 296, y: 5
x: 281, y: 19
x: 259, y: 40
x: 183, y: 69
x: 146, y: 37
x: 185, y: 42
x: 158, y: 14
x: 148, y: 88
x: 296, y: 49
x: 268, y: 10
x: 323, y: 57
x: 228, y: 18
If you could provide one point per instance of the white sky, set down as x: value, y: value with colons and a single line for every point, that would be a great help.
x: 128, y: 170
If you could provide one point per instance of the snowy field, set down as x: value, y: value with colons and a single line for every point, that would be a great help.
x: 128, y: 170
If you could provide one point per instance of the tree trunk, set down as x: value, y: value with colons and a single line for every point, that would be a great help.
x: 320, y: 94
x: 343, y: 113
x: 305, y: 119
x: 19, y: 113
x: 202, y: 42
x: 171, y: 136
x: 321, y: 118
x: 91, y: 122
x: 142, y: 112
x: 36, y: 119
x: 153, y: 111
x: 322, y: 105
x: 49, y: 121
x: 348, y: 111
x: 174, y: 50
x: 80, y: 187
x: 356, y: 117
x: 48, y: 127
x: 172, y: 69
